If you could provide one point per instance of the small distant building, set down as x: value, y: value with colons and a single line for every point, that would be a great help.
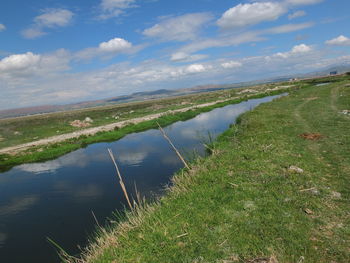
x: 332, y: 73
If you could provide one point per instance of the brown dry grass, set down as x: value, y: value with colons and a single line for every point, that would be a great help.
x: 311, y: 136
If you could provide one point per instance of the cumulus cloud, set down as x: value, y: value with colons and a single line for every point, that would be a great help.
x: 19, y: 62
x: 339, y: 41
x: 296, y: 51
x: 50, y: 18
x: 231, y: 64
x: 2, y: 27
x: 19, y: 67
x: 109, y: 48
x: 250, y: 14
x: 296, y: 14
x: 180, y: 28
x: 114, y: 8
x: 302, y: 48
x: 195, y: 68
x: 115, y: 45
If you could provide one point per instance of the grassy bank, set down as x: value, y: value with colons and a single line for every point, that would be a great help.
x: 52, y: 151
x: 246, y: 202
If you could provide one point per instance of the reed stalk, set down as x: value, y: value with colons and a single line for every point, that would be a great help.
x: 173, y: 146
x: 121, y: 182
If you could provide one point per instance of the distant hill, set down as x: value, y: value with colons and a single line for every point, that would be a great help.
x: 339, y: 68
x: 163, y: 93
x: 138, y: 96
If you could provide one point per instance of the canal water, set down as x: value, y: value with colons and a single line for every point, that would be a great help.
x: 57, y: 199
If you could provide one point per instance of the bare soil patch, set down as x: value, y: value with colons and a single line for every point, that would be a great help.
x: 311, y: 136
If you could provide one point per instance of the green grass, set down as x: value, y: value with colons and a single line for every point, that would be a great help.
x: 52, y: 151
x: 242, y: 202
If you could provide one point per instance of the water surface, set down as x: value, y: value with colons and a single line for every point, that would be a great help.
x: 55, y: 199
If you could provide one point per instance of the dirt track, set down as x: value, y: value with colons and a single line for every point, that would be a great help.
x: 94, y: 130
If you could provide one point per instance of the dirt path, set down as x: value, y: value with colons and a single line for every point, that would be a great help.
x: 334, y: 98
x: 92, y: 131
x: 307, y: 129
x: 315, y: 147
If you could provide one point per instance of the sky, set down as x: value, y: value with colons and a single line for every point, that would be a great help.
x: 60, y: 52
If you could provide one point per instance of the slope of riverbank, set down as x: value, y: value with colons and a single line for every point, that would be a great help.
x: 275, y: 189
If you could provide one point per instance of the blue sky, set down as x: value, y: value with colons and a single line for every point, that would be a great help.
x: 58, y: 52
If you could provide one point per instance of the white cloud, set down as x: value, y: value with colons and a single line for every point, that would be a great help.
x: 296, y: 51
x: 231, y: 64
x: 19, y: 62
x: 250, y: 14
x: 297, y: 14
x: 303, y: 2
x: 180, y: 28
x: 106, y: 49
x: 18, y: 67
x: 339, y: 41
x: 2, y: 27
x: 54, y: 18
x: 50, y: 18
x: 195, y: 68
x: 115, y: 45
x: 114, y: 8
x: 302, y: 48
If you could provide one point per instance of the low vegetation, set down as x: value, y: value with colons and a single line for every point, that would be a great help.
x: 275, y: 189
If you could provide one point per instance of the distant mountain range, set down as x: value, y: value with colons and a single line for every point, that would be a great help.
x: 162, y: 93
x: 138, y: 96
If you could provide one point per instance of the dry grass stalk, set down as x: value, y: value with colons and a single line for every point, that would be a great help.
x: 120, y: 178
x: 93, y: 214
x: 183, y: 235
x: 138, y: 196
x: 173, y: 146
x: 308, y: 189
